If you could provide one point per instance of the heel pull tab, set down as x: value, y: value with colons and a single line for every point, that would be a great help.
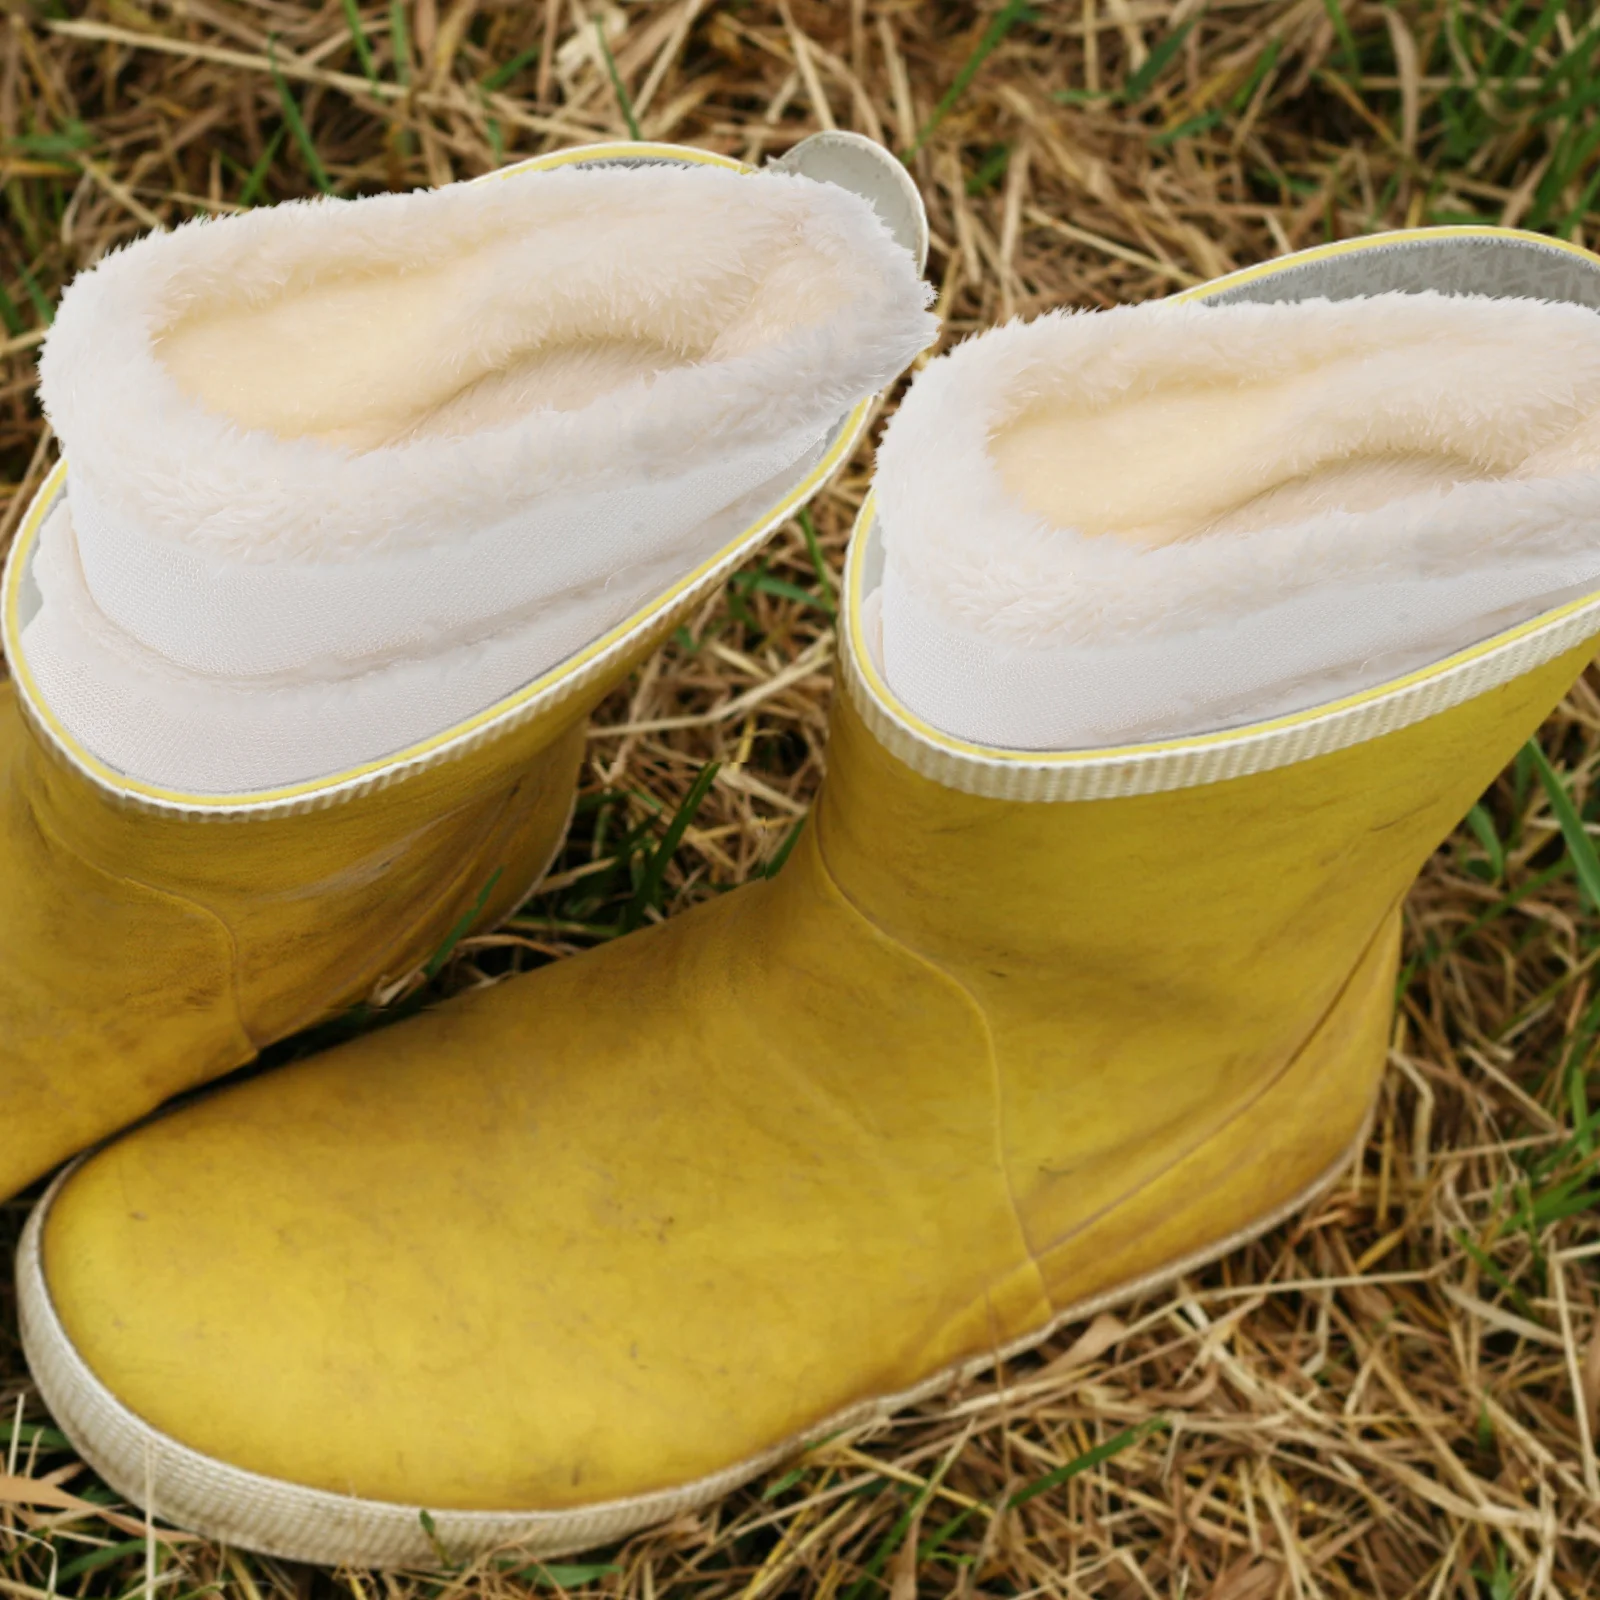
x: 863, y: 166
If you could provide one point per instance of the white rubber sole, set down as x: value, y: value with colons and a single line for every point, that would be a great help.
x: 278, y: 1518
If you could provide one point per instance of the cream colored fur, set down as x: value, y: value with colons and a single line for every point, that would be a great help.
x: 1096, y: 477
x: 333, y: 377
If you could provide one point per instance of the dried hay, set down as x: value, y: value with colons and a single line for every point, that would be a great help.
x: 1397, y: 1395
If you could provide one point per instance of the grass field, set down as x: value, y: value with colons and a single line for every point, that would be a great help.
x: 1397, y: 1395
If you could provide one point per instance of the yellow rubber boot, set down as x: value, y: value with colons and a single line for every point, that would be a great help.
x: 153, y: 938
x: 1013, y: 1035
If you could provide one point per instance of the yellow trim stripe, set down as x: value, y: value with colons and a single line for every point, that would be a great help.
x: 617, y: 150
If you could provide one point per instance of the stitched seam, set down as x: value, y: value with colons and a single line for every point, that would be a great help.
x: 1245, y: 1106
x: 341, y: 994
x: 1028, y: 1258
x: 1242, y: 1109
x: 203, y: 913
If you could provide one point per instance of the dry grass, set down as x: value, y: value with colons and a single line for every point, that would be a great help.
x: 1395, y: 1396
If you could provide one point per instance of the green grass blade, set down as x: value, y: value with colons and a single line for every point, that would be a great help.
x: 17, y: 203
x: 616, y: 83
x: 738, y: 610
x: 1508, y: 902
x: 358, y: 37
x: 942, y: 1536
x: 1264, y: 64
x: 1535, y: 36
x: 786, y: 1482
x: 1521, y: 787
x: 552, y: 1575
x: 459, y: 932
x: 1572, y: 64
x: 103, y: 1557
x: 1572, y: 150
x: 1578, y: 1101
x: 1004, y: 21
x: 65, y: 143
x: 41, y: 301
x: 431, y: 1530
x: 31, y: 1432
x: 826, y: 591
x: 10, y: 313
x: 1495, y: 1275
x: 990, y: 170
x: 1580, y: 847
x: 775, y: 865
x: 1140, y: 84
x: 1347, y: 40
x: 400, y: 43
x: 648, y: 894
x: 1483, y: 830
x: 258, y: 173
x: 1579, y: 100
x: 1113, y: 1446
x: 1204, y: 123
x: 1503, y: 37
x: 503, y: 75
x: 746, y: 583
x: 1570, y: 222
x: 896, y: 1535
x: 1502, y: 1581
x: 297, y: 125
x: 1575, y: 159
x: 1567, y: 1200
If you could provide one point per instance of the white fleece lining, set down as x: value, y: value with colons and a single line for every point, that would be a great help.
x: 785, y: 299
x: 323, y: 455
x: 1173, y: 518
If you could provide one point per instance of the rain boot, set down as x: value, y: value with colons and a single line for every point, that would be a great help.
x: 1015, y: 1034
x: 368, y: 504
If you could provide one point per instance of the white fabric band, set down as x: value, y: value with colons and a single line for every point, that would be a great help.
x: 1310, y: 649
x: 255, y: 619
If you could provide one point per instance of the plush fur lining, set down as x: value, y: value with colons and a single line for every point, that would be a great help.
x: 1093, y: 477
x: 567, y: 331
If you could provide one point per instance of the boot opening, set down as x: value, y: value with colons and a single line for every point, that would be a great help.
x: 1179, y: 517
x: 344, y: 476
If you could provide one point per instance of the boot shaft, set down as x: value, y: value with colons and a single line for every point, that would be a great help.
x: 322, y: 894
x: 1156, y: 932
x: 1175, y: 937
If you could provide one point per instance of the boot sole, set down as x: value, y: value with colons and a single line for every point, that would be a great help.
x: 287, y: 1520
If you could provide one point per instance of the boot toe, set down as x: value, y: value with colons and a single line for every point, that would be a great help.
x: 545, y: 1266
